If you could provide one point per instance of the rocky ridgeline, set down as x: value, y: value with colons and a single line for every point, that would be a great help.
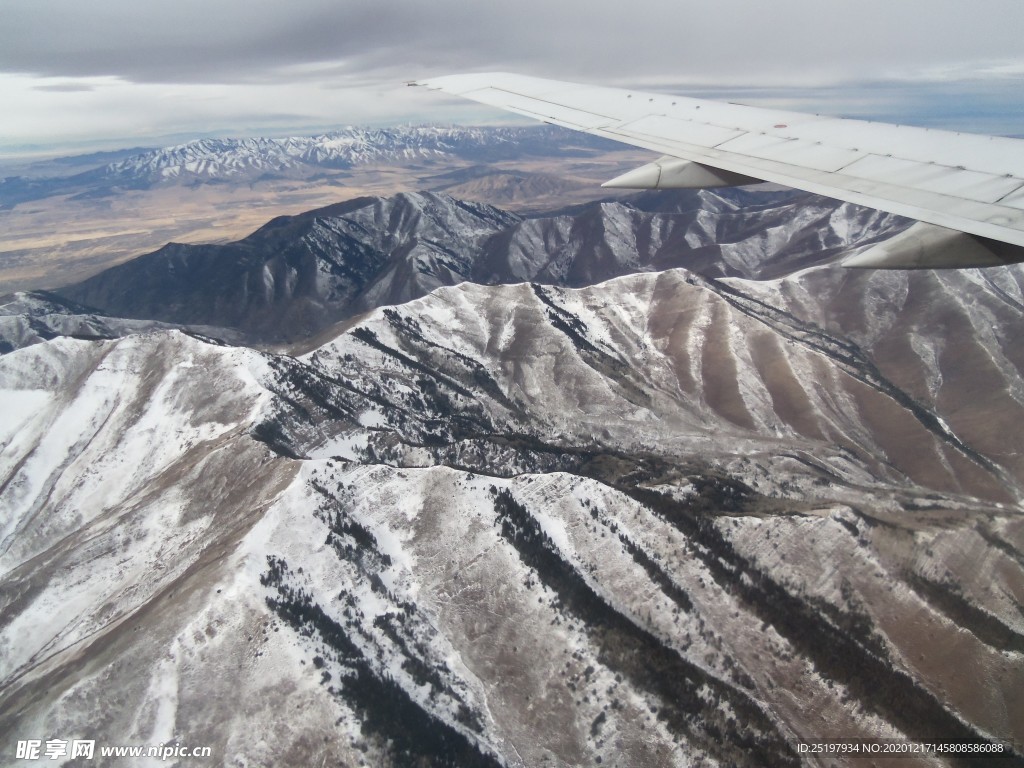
x: 300, y: 274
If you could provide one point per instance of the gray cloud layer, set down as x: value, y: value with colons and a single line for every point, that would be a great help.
x: 211, y: 41
x: 74, y: 72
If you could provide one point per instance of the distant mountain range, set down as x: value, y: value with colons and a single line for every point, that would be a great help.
x: 207, y: 161
x: 419, y: 481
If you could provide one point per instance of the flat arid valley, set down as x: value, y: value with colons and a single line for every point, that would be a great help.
x: 64, y: 228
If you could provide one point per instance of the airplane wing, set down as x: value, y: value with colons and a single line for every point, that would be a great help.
x: 966, y: 191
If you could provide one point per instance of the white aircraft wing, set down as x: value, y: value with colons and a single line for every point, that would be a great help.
x: 966, y: 191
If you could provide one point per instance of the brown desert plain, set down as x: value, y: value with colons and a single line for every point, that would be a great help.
x: 62, y: 239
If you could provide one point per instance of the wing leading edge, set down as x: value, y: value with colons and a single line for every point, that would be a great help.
x: 966, y: 191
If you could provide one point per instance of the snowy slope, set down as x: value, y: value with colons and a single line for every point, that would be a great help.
x: 648, y: 521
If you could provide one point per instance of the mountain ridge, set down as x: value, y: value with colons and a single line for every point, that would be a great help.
x: 682, y: 512
x: 297, y: 275
x: 482, y: 508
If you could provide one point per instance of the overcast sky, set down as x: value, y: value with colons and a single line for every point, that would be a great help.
x: 137, y: 72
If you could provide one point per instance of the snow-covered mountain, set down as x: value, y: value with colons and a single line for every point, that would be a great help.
x: 669, y: 517
x: 224, y: 159
x: 247, y: 160
x: 298, y: 275
x: 32, y: 317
